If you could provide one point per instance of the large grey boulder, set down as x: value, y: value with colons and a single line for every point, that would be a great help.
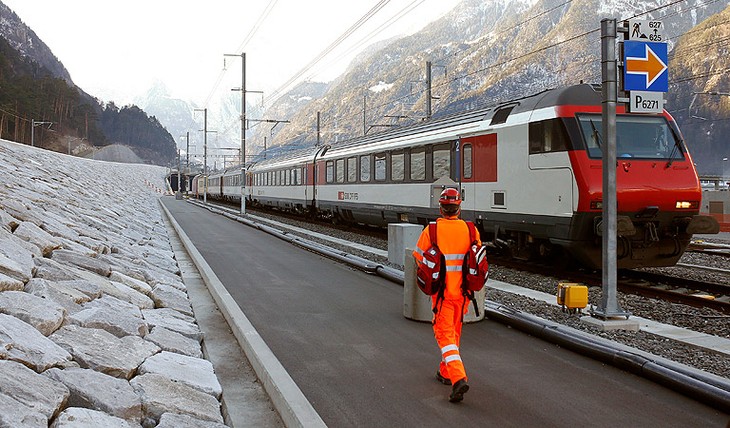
x: 11, y: 268
x: 167, y: 296
x: 194, y: 372
x: 43, y: 395
x: 173, y: 320
x: 99, y: 350
x: 17, y: 250
x: 108, y: 313
x: 161, y: 395
x: 134, y: 283
x: 40, y: 238
x: 173, y: 341
x: 10, y: 284
x: 76, y: 417
x: 82, y: 261
x: 171, y: 420
x: 21, y: 342
x: 95, y: 390
x: 15, y: 414
x: 43, y: 314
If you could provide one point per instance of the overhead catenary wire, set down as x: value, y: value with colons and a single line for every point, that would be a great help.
x: 381, y: 4
x: 264, y: 14
x: 543, y: 48
x: 395, y: 18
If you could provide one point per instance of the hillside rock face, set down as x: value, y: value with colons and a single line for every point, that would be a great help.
x: 25, y: 41
x: 484, y: 53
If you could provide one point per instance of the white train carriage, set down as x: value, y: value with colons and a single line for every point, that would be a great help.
x: 529, y: 172
x: 284, y: 183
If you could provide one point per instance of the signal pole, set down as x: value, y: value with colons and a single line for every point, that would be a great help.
x: 205, y: 153
x: 243, y: 130
x: 609, y: 307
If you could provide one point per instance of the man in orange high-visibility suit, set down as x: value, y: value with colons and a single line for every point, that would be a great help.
x: 451, y: 305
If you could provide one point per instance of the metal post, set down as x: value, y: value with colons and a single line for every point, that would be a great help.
x: 319, y: 135
x: 205, y: 153
x: 428, y: 89
x: 187, y: 162
x: 243, y: 133
x: 609, y: 301
x: 243, y: 129
x: 179, y: 174
x: 32, y: 132
x: 364, y: 108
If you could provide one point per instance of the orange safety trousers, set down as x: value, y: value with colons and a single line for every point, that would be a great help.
x: 447, y: 325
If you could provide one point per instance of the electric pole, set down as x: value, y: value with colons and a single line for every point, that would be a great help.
x: 205, y: 153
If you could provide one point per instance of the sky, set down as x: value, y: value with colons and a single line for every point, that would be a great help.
x: 115, y: 50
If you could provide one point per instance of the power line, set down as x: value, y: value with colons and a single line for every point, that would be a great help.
x: 394, y: 102
x: 400, y: 14
x: 330, y: 48
x: 257, y: 25
x: 248, y: 38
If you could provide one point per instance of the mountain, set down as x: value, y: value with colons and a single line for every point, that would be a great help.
x: 21, y: 38
x: 699, y: 68
x: 489, y: 52
x: 35, y: 88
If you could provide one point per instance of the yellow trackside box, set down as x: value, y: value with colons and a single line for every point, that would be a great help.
x: 572, y: 296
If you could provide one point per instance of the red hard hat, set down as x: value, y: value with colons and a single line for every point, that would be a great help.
x: 450, y: 196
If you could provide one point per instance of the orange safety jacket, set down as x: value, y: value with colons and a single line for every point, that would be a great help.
x: 453, y: 241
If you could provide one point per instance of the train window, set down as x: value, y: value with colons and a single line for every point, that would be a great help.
x: 330, y: 171
x: 340, y: 169
x: 351, y: 169
x: 287, y: 177
x: 380, y: 167
x: 397, y: 166
x: 548, y: 136
x: 644, y: 137
x: 501, y: 115
x: 466, y: 165
x: 365, y: 168
x: 441, y: 161
x: 418, y: 165
x: 498, y: 199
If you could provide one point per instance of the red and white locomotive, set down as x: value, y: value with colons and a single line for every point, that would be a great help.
x: 529, y: 171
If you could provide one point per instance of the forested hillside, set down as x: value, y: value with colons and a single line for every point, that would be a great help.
x: 30, y: 92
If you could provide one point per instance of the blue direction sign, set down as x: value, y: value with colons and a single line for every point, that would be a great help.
x: 645, y: 66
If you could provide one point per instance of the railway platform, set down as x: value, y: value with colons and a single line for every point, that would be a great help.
x: 345, y: 356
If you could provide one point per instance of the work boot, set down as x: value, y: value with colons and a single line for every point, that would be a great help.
x: 457, y: 392
x: 445, y: 381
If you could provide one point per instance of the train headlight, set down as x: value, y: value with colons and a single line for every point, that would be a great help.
x: 688, y: 205
x: 597, y: 205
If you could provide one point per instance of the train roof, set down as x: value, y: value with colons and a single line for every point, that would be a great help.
x: 582, y: 94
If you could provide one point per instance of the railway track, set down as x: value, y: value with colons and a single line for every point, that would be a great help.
x: 722, y: 250
x: 699, y: 294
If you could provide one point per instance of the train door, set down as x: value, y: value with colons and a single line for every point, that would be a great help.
x: 477, y: 164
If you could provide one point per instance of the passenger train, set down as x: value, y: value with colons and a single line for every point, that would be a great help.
x: 529, y: 171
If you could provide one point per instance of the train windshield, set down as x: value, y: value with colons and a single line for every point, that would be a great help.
x: 643, y: 137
